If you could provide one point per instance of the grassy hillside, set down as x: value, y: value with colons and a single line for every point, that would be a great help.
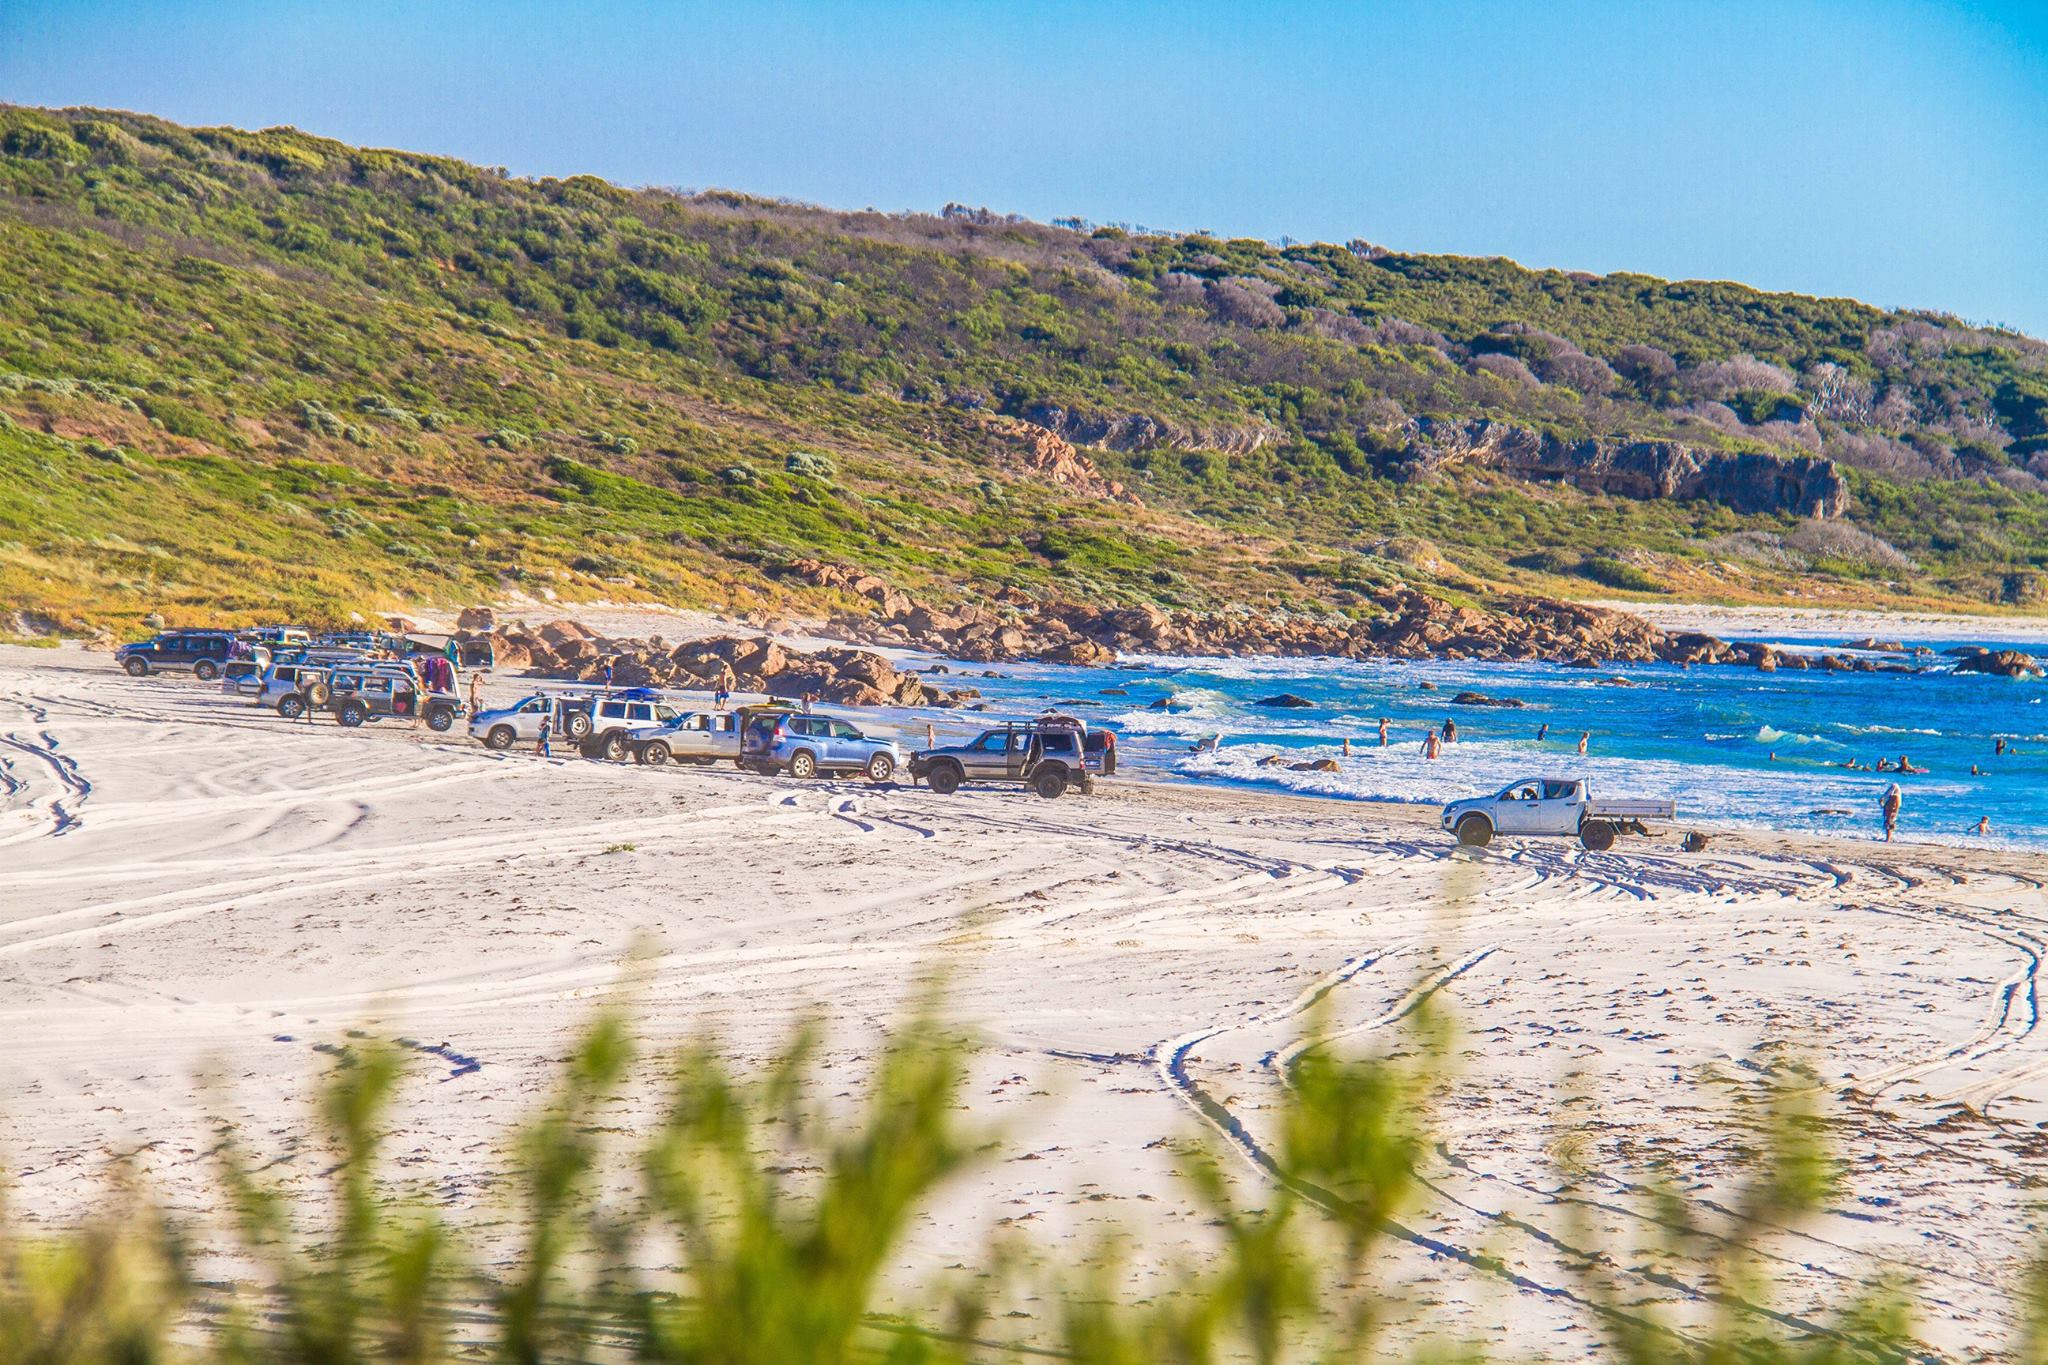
x: 244, y: 373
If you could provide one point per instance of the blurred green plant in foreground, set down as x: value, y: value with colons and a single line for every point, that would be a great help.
x: 757, y: 1224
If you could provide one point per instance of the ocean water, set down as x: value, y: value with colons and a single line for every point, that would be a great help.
x: 1731, y: 746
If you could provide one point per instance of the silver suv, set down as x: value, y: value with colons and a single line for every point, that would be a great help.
x: 1051, y: 756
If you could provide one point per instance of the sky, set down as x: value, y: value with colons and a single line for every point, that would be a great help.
x: 1888, y: 150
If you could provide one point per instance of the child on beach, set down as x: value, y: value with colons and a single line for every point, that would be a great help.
x: 1889, y: 808
x: 547, y: 731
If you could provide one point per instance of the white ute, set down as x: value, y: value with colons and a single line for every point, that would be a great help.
x: 1550, y: 807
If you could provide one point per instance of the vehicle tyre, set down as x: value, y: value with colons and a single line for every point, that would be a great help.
x: 440, y: 718
x: 803, y: 764
x: 1597, y: 835
x: 500, y: 737
x: 1051, y: 783
x: 1475, y: 831
x: 291, y: 706
x: 881, y: 767
x: 576, y: 725
x: 137, y: 668
x: 653, y: 753
x: 317, y: 694
x: 612, y: 746
x: 206, y: 670
x: 352, y: 714
x: 944, y: 778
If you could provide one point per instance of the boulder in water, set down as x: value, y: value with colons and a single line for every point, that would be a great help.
x: 2005, y: 663
x: 1285, y: 700
x: 1481, y: 699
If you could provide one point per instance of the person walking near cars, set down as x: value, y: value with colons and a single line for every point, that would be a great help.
x: 607, y: 677
x: 1889, y: 807
x: 547, y: 731
x: 476, y: 691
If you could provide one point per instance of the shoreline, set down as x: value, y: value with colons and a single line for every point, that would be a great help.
x: 1833, y: 624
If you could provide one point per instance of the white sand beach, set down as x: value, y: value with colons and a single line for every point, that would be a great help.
x: 190, y: 886
x: 1834, y: 625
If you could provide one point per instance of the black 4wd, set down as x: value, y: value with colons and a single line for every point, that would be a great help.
x: 1051, y: 756
x: 204, y: 652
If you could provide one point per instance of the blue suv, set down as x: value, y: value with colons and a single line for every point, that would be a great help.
x: 805, y: 746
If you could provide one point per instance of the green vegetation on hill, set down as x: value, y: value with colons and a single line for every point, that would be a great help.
x: 245, y: 373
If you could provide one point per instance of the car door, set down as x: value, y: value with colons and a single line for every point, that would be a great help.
x: 1559, y: 810
x: 1515, y: 810
x: 988, y: 756
x: 850, y: 746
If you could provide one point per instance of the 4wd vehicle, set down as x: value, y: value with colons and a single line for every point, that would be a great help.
x: 701, y: 737
x: 365, y: 692
x: 504, y: 726
x: 694, y: 737
x: 614, y: 718
x: 242, y: 674
x: 204, y: 652
x: 279, y: 637
x: 1550, y: 806
x: 1050, y: 756
x: 806, y: 746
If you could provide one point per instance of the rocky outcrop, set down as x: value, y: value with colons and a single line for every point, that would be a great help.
x: 2003, y: 663
x: 848, y: 677
x: 1137, y: 431
x: 1747, y: 481
x: 1048, y: 456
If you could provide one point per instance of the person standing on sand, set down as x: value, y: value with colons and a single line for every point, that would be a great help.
x: 1584, y: 735
x: 1383, y: 732
x: 1889, y: 807
x: 931, y: 735
x: 547, y: 732
x: 476, y: 691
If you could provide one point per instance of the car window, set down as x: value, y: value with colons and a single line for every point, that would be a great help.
x: 1527, y: 793
x: 1059, y: 744
x: 995, y: 741
x: 639, y: 711
x: 534, y: 706
x: 841, y: 730
x: 1559, y: 791
x: 666, y: 713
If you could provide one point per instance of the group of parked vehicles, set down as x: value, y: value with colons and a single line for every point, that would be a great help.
x: 362, y: 677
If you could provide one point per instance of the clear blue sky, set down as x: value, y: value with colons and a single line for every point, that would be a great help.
x: 1893, y: 151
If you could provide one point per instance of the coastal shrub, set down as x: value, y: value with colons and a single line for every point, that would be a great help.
x: 758, y: 1219
x: 1617, y: 573
x: 810, y: 464
x: 505, y: 438
x: 1839, y: 545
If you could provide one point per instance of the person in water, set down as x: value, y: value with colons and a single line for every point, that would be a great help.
x: 1383, y: 732
x: 1906, y: 765
x: 1888, y: 806
x: 1542, y: 731
x: 1998, y: 749
x: 1450, y: 731
x: 1983, y: 825
x: 1584, y: 735
x: 1432, y: 746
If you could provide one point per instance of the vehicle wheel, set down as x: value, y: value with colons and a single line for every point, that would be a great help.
x: 881, y: 768
x: 612, y: 746
x: 803, y: 764
x: 577, y: 725
x: 1597, y: 835
x: 206, y: 670
x: 500, y: 737
x: 1475, y: 831
x: 291, y: 706
x: 317, y: 694
x: 944, y: 779
x: 439, y: 719
x: 1050, y: 783
x: 352, y: 714
x: 654, y: 754
x: 137, y: 668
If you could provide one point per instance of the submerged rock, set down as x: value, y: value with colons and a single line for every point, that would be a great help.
x: 1285, y: 699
